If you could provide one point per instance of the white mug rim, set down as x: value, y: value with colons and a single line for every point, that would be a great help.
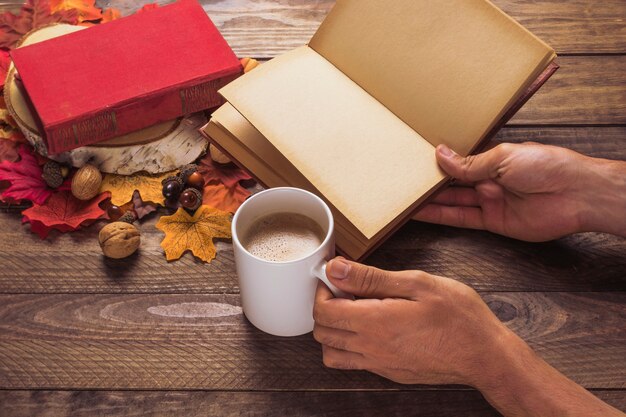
x: 329, y: 234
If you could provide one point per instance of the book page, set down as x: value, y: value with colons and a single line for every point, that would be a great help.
x: 449, y: 69
x: 368, y: 163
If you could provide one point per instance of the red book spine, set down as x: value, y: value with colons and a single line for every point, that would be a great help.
x: 129, y: 117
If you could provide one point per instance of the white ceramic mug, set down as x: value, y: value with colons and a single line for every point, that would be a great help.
x: 277, y: 297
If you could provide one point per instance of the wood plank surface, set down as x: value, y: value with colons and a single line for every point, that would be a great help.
x: 265, y: 28
x: 255, y: 404
x: 483, y: 260
x: 204, y: 342
x: 73, y: 263
x: 584, y: 91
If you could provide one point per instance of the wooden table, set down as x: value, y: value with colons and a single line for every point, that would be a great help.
x: 83, y: 335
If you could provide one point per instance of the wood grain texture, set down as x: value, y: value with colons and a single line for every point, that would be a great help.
x: 255, y: 404
x: 584, y: 91
x: 73, y: 263
x: 236, y: 404
x: 204, y: 342
x: 265, y: 28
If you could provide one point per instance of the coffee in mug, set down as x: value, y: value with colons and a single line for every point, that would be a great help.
x: 283, y: 237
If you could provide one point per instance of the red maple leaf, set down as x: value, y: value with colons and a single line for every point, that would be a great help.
x: 63, y: 212
x: 223, y: 198
x: 34, y: 14
x: 25, y: 178
x: 5, y: 62
x: 229, y: 175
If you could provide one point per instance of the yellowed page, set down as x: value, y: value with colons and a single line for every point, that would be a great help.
x: 448, y: 68
x: 360, y: 156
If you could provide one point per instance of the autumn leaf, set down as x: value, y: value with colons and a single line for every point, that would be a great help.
x: 5, y: 63
x: 8, y: 150
x: 141, y: 207
x: 184, y: 232
x: 223, y: 198
x: 87, y: 10
x: 34, y: 14
x: 25, y: 178
x: 122, y: 187
x: 110, y: 14
x: 229, y: 175
x: 63, y: 212
x: 148, y: 7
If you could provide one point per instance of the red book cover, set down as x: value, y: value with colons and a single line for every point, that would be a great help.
x: 125, y: 75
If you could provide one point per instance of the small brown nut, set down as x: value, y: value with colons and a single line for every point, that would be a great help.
x: 119, y: 240
x: 218, y: 156
x: 86, y: 182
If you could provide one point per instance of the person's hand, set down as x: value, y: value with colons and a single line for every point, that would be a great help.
x: 417, y: 328
x: 413, y: 328
x: 530, y: 192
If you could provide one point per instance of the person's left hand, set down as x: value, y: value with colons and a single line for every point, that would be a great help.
x: 412, y: 327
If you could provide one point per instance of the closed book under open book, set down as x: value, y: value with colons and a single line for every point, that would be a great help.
x: 355, y: 116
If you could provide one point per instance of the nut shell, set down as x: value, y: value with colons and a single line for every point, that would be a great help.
x: 119, y: 240
x: 52, y: 174
x: 218, y: 156
x: 86, y: 182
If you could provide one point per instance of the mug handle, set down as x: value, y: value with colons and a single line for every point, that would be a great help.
x: 320, y: 273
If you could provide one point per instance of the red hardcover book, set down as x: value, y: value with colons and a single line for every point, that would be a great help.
x: 125, y: 75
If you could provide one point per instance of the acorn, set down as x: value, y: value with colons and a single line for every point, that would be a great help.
x: 172, y: 187
x: 186, y: 171
x: 115, y: 212
x: 129, y: 217
x: 53, y: 174
x: 191, y: 199
x: 196, y: 180
x: 86, y: 182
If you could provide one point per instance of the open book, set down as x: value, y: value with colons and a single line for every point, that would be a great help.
x: 356, y: 115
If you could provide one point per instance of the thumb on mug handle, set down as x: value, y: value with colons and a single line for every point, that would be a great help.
x: 320, y: 272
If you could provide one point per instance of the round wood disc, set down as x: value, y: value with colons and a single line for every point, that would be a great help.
x: 159, y: 148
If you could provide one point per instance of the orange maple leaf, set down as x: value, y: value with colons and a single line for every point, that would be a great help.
x: 87, y: 10
x: 184, y: 232
x: 110, y: 14
x: 122, y: 187
x: 224, y: 198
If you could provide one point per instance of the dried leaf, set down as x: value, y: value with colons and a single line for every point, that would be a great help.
x: 34, y: 14
x: 195, y: 233
x: 148, y: 7
x: 122, y: 187
x: 87, y: 10
x: 229, y: 175
x: 142, y: 208
x: 63, y: 212
x: 110, y: 14
x: 25, y: 178
x: 5, y: 62
x: 8, y: 150
x: 223, y: 198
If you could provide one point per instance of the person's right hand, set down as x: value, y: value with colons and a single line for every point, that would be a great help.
x: 530, y: 192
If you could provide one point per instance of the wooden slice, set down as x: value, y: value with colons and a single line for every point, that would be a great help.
x: 156, y: 149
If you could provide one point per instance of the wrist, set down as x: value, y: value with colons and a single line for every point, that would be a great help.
x: 518, y: 383
x: 602, y: 185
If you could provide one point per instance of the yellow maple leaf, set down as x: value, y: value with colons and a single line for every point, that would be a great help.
x: 110, y: 14
x: 122, y: 187
x: 87, y: 9
x: 195, y: 233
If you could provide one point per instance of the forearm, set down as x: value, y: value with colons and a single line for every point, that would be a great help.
x: 518, y: 384
x: 603, y: 187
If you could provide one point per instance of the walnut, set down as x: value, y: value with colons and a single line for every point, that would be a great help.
x: 218, y: 156
x: 86, y: 182
x: 119, y: 240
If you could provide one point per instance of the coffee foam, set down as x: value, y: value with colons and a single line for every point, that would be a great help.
x: 283, y: 237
